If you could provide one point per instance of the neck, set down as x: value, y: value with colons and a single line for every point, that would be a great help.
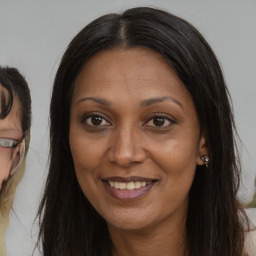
x: 164, y: 240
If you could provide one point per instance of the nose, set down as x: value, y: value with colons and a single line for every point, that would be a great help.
x: 127, y: 148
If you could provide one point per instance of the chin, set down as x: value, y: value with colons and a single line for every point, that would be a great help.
x: 130, y: 224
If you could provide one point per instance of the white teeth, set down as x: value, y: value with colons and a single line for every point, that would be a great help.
x: 116, y: 184
x: 143, y: 183
x: 129, y: 185
x: 122, y: 185
x: 137, y: 184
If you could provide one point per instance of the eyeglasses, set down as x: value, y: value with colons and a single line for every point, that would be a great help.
x: 9, y: 143
x: 11, y: 155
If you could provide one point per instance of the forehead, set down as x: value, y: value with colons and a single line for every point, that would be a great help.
x: 11, y: 126
x: 131, y: 72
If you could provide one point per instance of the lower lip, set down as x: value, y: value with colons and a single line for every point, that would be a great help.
x: 126, y: 194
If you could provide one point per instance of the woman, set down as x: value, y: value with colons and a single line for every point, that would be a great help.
x: 142, y: 157
x: 15, y: 120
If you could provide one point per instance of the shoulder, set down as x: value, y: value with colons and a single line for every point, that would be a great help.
x: 250, y: 237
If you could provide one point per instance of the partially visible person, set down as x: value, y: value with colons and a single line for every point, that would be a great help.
x: 143, y: 158
x: 252, y: 204
x: 251, y: 238
x: 15, y: 121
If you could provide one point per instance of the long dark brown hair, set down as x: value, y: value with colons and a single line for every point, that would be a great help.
x: 69, y: 225
x: 13, y: 84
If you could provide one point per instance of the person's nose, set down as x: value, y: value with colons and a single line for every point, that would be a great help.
x: 127, y: 148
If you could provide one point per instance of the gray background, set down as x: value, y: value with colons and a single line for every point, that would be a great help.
x: 34, y: 35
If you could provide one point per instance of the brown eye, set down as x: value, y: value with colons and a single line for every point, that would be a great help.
x: 96, y: 120
x: 159, y: 121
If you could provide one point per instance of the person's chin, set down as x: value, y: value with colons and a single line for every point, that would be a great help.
x: 137, y: 216
x: 132, y: 223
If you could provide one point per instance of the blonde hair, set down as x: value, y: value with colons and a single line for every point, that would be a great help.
x: 7, y: 198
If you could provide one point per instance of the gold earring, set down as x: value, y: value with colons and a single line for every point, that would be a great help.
x: 205, y: 160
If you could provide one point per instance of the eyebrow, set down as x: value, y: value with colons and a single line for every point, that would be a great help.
x: 144, y: 103
x: 151, y: 101
x: 97, y: 100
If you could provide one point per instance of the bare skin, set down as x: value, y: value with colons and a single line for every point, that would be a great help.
x: 163, y: 240
x: 10, y: 127
x: 136, y: 142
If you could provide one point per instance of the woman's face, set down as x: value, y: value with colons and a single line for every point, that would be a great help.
x: 10, y: 134
x: 135, y: 138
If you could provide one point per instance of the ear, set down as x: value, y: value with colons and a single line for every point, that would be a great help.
x: 202, y: 149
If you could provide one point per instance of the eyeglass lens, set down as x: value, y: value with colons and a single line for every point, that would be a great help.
x: 11, y: 156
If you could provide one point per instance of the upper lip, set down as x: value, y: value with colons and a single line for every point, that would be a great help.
x: 128, y: 179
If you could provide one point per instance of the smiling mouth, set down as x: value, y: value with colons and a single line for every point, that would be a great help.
x: 128, y: 188
x: 129, y: 185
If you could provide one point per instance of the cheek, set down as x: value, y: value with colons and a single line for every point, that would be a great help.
x: 175, y: 156
x: 87, y: 154
x: 86, y: 158
x: 85, y: 150
x: 84, y: 162
x: 4, y: 172
x: 5, y: 166
x: 177, y: 160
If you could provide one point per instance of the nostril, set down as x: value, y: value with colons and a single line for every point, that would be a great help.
x: 127, y: 156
